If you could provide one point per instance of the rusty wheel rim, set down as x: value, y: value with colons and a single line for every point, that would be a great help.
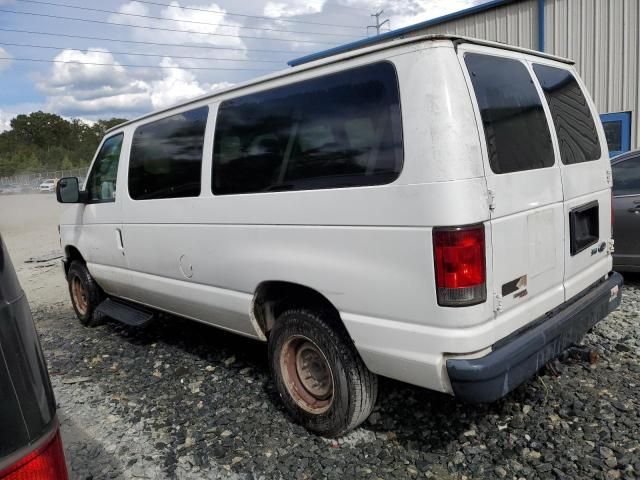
x: 79, y: 295
x: 307, y: 374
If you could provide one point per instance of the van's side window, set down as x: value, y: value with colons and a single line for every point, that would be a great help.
x: 166, y: 157
x: 576, y: 130
x: 339, y: 130
x: 101, y: 184
x: 515, y: 127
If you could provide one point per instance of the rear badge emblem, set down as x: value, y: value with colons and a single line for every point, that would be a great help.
x: 521, y: 294
x: 600, y: 248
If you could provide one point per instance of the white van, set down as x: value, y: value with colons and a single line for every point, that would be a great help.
x: 436, y: 210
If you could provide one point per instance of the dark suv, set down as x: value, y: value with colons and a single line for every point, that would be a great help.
x: 626, y: 204
x: 30, y: 445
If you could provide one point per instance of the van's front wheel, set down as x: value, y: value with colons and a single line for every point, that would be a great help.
x: 85, y: 294
x: 319, y: 375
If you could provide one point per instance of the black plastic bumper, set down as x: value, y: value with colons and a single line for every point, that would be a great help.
x: 516, y: 358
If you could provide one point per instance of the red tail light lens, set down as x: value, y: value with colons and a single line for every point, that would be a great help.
x: 459, y: 255
x: 44, y: 463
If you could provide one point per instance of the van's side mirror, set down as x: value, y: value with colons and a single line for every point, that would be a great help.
x: 68, y: 190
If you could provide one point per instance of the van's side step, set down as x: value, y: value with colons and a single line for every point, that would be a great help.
x: 129, y: 314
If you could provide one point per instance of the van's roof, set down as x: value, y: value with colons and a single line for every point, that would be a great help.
x: 353, y: 51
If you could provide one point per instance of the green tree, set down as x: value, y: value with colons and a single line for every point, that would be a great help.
x: 46, y: 141
x: 66, y: 163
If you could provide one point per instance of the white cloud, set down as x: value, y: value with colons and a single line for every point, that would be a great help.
x: 292, y: 8
x: 84, y: 70
x: 86, y: 87
x: 176, y: 85
x: 200, y: 20
x: 90, y: 90
x: 4, y: 64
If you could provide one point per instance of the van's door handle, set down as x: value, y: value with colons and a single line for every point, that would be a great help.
x: 119, y: 243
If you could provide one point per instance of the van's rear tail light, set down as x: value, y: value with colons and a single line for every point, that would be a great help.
x: 459, y: 255
x: 44, y: 463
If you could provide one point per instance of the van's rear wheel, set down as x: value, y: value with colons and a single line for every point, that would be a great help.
x: 85, y: 294
x: 319, y: 375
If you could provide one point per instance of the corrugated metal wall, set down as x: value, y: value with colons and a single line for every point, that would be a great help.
x: 602, y: 36
x: 515, y: 23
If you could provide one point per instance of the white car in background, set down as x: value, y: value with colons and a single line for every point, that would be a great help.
x: 49, y: 185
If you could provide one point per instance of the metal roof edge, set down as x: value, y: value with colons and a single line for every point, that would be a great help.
x: 400, y: 31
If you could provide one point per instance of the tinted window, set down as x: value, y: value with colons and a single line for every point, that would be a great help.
x: 626, y: 177
x: 515, y: 126
x: 166, y: 157
x: 575, y: 128
x: 101, y: 185
x: 334, y: 131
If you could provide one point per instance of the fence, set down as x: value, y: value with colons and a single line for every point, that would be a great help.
x: 35, y: 179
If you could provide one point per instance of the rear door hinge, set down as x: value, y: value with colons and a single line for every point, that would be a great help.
x: 611, y: 245
x: 609, y: 178
x: 491, y: 197
x: 497, y: 302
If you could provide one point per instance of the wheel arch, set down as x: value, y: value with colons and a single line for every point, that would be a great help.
x: 71, y: 253
x: 273, y: 297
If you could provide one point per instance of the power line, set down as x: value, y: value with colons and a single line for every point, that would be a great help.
x: 378, y: 24
x: 104, y: 22
x: 133, y: 65
x: 182, y: 21
x: 261, y: 17
x: 138, y: 42
x: 141, y: 54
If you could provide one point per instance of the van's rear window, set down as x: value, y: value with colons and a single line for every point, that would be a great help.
x: 335, y: 131
x: 515, y: 127
x: 576, y: 130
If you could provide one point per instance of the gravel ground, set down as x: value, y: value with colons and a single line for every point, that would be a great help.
x: 183, y: 400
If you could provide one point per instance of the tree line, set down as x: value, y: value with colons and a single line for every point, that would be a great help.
x: 45, y: 141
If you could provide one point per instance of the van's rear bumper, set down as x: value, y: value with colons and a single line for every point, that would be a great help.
x: 517, y: 357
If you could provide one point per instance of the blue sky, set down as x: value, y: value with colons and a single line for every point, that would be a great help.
x: 72, y: 88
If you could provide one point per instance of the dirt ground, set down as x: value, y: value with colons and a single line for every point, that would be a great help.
x: 29, y: 227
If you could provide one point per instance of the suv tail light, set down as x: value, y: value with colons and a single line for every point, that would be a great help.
x: 459, y: 255
x: 44, y: 463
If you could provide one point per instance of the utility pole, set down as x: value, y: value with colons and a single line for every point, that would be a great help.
x: 378, y: 23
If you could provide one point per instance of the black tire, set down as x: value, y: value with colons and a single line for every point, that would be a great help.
x: 93, y: 294
x: 354, y: 388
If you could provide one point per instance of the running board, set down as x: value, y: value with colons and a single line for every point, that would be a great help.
x: 126, y: 313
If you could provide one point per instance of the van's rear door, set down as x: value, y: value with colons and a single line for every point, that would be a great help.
x: 586, y: 175
x: 524, y: 183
